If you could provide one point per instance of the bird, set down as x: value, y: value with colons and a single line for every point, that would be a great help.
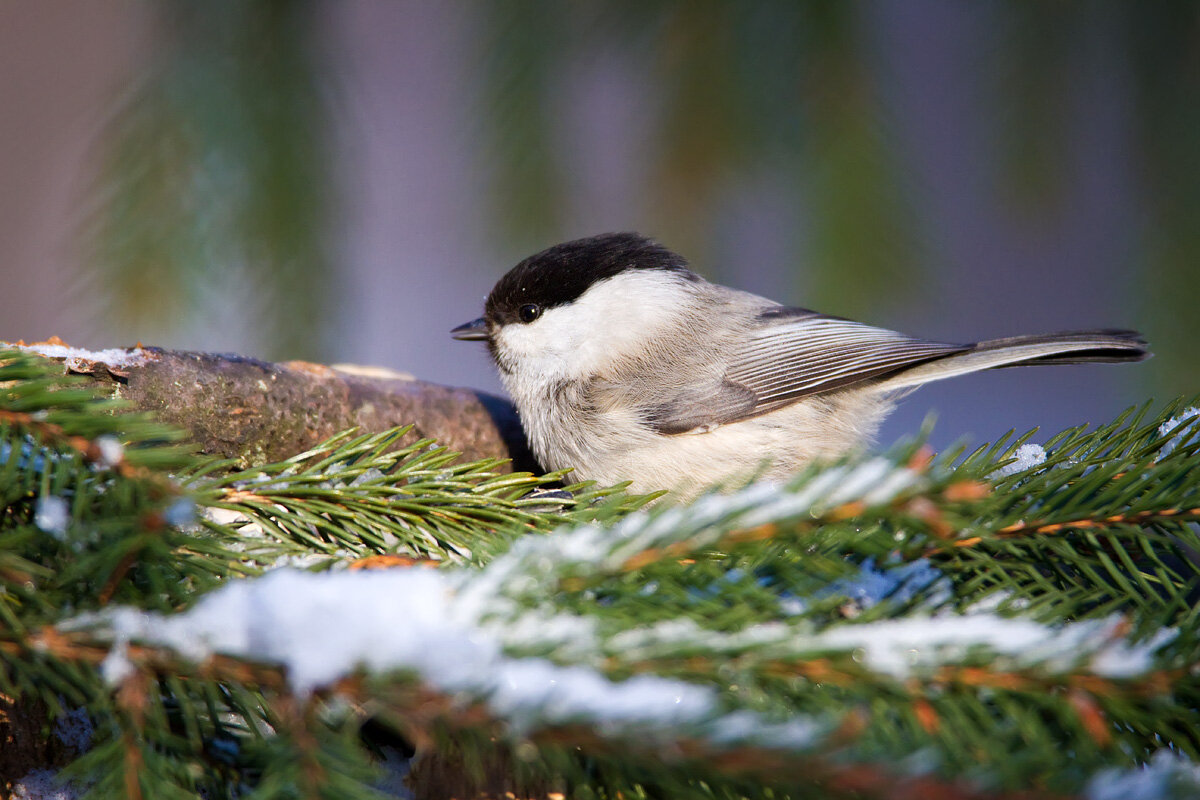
x: 625, y: 365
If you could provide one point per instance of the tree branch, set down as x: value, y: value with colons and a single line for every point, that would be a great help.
x: 258, y: 412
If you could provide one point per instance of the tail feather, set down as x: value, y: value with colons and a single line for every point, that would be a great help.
x: 1071, y: 347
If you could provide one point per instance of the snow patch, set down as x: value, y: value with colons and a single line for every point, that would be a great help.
x: 321, y: 627
x: 902, y: 647
x: 899, y: 647
x: 116, y: 666
x: 1168, y: 776
x: 110, y: 451
x: 873, y: 482
x: 1027, y: 456
x: 748, y: 727
x: 113, y: 357
x: 181, y: 513
x: 1186, y: 423
x: 52, y: 514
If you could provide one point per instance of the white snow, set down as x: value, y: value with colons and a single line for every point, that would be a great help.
x: 113, y: 357
x: 898, y: 647
x: 1168, y: 776
x: 323, y: 626
x: 52, y: 514
x: 863, y: 479
x: 111, y: 451
x: 529, y: 690
x: 1027, y: 457
x: 873, y: 482
x: 372, y: 475
x: 1185, y: 423
x: 453, y: 629
x: 181, y: 513
x: 702, y: 523
x: 902, y: 647
x: 1119, y: 659
x: 748, y: 727
x: 116, y: 666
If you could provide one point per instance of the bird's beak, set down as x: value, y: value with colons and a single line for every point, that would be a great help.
x: 474, y: 331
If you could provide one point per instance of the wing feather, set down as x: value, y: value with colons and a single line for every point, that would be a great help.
x: 793, y: 353
x: 789, y: 358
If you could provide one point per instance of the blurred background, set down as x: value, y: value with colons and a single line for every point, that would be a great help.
x: 343, y: 180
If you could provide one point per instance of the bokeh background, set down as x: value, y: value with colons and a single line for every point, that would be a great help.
x: 344, y: 180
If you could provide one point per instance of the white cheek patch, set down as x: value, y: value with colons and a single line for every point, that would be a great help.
x: 611, y: 320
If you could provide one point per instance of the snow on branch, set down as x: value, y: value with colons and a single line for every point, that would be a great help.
x: 457, y: 630
x: 901, y: 626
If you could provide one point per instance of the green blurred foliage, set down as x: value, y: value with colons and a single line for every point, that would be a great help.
x: 217, y: 167
x: 218, y: 159
x: 1160, y: 44
x: 1164, y: 49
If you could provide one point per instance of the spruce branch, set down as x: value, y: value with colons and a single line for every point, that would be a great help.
x: 86, y: 501
x: 759, y: 624
x: 354, y: 496
x: 905, y: 623
x: 298, y: 755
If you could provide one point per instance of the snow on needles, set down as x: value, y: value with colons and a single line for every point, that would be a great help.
x: 901, y: 646
x: 454, y: 629
x: 1027, y: 456
x: 324, y: 626
x: 1166, y: 776
x: 1186, y: 423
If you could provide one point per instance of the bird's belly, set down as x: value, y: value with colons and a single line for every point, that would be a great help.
x: 772, y: 446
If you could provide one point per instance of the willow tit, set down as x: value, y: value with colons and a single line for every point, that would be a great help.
x: 626, y: 365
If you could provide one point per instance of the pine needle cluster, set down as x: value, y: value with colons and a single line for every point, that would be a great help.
x: 1016, y: 621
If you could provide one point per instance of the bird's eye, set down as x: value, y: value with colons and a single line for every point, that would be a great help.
x: 529, y: 312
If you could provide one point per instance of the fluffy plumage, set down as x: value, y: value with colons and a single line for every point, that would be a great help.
x: 626, y: 365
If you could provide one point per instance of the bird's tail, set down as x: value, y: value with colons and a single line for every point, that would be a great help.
x: 1073, y: 347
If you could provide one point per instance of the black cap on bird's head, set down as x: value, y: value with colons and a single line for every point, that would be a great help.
x: 560, y: 274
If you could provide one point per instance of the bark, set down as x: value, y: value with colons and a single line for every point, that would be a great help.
x: 258, y: 412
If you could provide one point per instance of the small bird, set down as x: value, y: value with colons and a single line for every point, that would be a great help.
x: 626, y: 365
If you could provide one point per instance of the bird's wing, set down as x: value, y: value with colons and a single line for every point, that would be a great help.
x: 793, y: 353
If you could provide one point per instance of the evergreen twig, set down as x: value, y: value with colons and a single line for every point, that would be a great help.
x: 893, y: 627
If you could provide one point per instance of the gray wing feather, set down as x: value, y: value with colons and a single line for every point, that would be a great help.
x: 1106, y: 346
x: 791, y: 354
x: 782, y: 362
